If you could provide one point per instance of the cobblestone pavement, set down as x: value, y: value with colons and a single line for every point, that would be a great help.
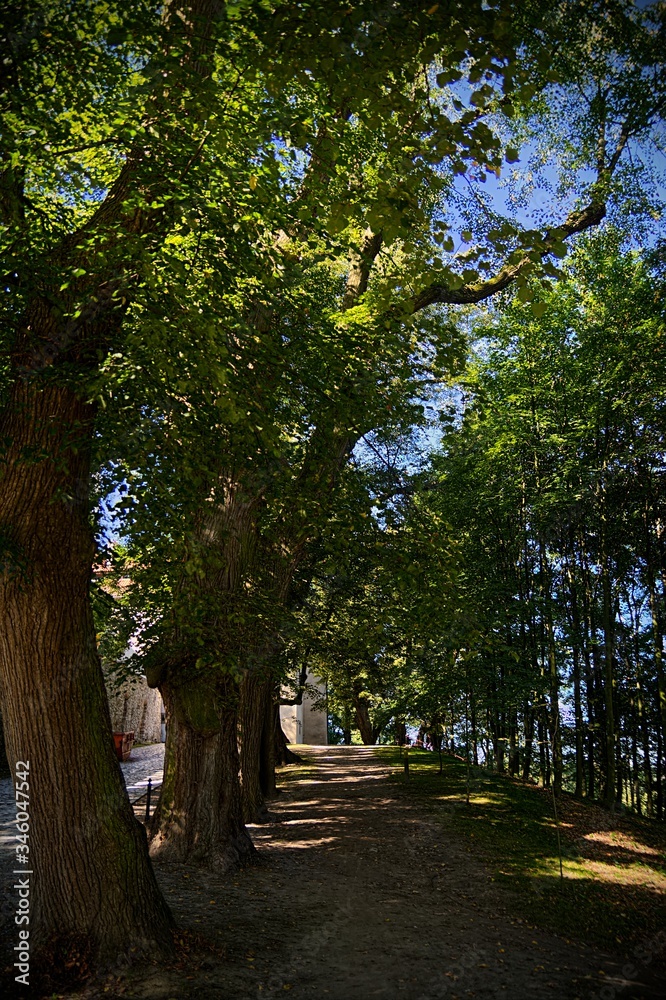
x: 145, y: 762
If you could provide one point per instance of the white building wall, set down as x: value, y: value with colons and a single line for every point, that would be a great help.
x: 305, y: 723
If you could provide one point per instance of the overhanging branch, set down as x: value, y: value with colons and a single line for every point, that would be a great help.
x: 478, y: 291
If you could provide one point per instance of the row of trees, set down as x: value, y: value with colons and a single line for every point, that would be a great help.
x: 231, y: 233
x: 559, y: 470
x: 545, y: 640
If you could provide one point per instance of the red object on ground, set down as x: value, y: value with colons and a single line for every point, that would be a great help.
x: 123, y: 744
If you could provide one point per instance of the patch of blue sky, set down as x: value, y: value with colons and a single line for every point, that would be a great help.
x: 110, y: 526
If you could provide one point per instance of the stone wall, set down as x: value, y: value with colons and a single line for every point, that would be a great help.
x: 138, y: 708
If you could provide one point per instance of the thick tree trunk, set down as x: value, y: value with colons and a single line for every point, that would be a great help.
x: 364, y: 722
x: 256, y: 757
x: 199, y: 814
x: 92, y: 879
x: 267, y: 760
x: 4, y: 763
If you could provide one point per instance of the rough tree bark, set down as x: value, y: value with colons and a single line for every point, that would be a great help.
x: 368, y: 732
x: 88, y: 852
x: 199, y: 812
x: 257, y: 755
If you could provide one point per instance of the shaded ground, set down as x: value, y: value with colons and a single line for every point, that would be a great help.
x: 612, y: 888
x: 362, y: 893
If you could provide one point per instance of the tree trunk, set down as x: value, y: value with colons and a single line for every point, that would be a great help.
x: 575, y: 650
x: 363, y: 721
x: 657, y: 641
x: 199, y: 814
x: 635, y: 779
x: 645, y: 742
x: 619, y: 772
x: 346, y: 726
x: 541, y: 737
x: 660, y: 772
x: 4, y: 763
x: 257, y: 761
x: 588, y: 650
x: 93, y: 883
x: 514, y: 752
x: 609, y: 683
x: 528, y: 722
x: 553, y: 674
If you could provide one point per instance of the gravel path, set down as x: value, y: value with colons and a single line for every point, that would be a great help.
x: 358, y: 895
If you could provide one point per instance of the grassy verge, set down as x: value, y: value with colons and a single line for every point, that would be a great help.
x: 287, y: 773
x: 613, y: 889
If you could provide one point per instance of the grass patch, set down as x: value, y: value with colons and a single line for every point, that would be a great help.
x: 297, y: 772
x: 614, y: 886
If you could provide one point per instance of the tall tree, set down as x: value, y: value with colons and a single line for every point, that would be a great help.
x: 377, y: 186
x: 544, y: 483
x: 116, y: 152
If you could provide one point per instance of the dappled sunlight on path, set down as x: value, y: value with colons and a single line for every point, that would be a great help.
x: 359, y: 894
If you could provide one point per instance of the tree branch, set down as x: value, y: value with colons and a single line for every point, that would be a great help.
x: 182, y: 24
x: 478, y: 291
x: 361, y: 265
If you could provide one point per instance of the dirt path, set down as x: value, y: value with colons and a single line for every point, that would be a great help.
x: 358, y: 895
